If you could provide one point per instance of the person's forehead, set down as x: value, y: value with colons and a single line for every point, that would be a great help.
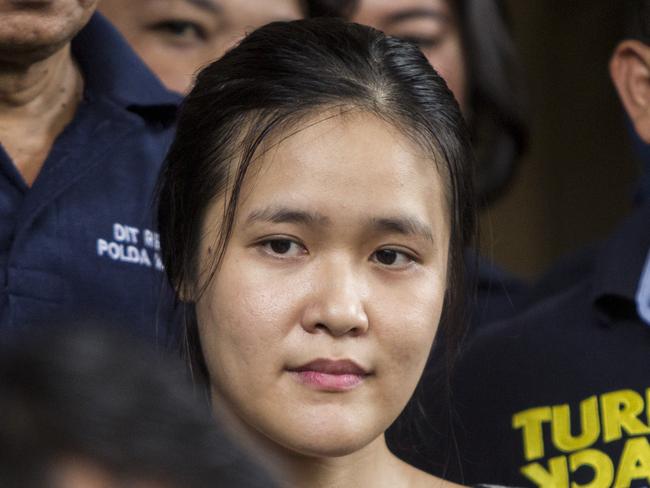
x: 343, y: 146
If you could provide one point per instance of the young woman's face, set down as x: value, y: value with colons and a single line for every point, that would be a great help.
x: 432, y: 25
x: 178, y: 37
x: 319, y: 321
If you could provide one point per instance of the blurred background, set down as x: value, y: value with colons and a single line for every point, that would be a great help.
x: 578, y: 176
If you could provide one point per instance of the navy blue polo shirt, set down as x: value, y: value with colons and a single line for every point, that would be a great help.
x: 80, y: 244
x: 560, y: 395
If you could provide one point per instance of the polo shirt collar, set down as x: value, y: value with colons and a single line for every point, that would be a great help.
x: 619, y: 265
x: 111, y: 69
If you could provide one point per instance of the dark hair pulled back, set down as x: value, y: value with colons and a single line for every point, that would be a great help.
x: 275, y: 78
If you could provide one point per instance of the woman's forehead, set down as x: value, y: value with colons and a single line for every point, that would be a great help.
x: 354, y: 163
x: 345, y: 145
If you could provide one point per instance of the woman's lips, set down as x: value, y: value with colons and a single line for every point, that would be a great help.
x: 330, y: 375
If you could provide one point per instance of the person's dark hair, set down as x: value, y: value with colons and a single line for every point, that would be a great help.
x: 497, y: 102
x: 330, y: 8
x: 278, y: 76
x: 94, y: 395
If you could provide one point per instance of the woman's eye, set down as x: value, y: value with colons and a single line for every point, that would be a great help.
x: 392, y: 258
x: 182, y: 30
x: 283, y: 247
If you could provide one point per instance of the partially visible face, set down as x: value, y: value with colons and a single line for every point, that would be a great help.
x: 432, y: 25
x: 178, y: 37
x: 32, y: 30
x: 319, y: 321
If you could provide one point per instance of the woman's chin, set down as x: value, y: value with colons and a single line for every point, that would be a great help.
x: 322, y: 448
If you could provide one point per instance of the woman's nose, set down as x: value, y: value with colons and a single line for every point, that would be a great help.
x: 337, y: 305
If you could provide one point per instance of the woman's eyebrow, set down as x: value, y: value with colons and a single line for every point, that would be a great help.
x: 279, y: 215
x: 414, y: 13
x: 402, y: 225
x: 209, y: 5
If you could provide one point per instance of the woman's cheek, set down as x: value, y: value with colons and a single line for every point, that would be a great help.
x: 405, y: 335
x: 235, y: 342
x: 410, y: 322
x: 255, y: 306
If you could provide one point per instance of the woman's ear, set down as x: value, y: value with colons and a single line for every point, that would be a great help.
x: 629, y: 68
x: 184, y: 294
x: 185, y: 290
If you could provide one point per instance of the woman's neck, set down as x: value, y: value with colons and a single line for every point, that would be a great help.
x: 373, y: 465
